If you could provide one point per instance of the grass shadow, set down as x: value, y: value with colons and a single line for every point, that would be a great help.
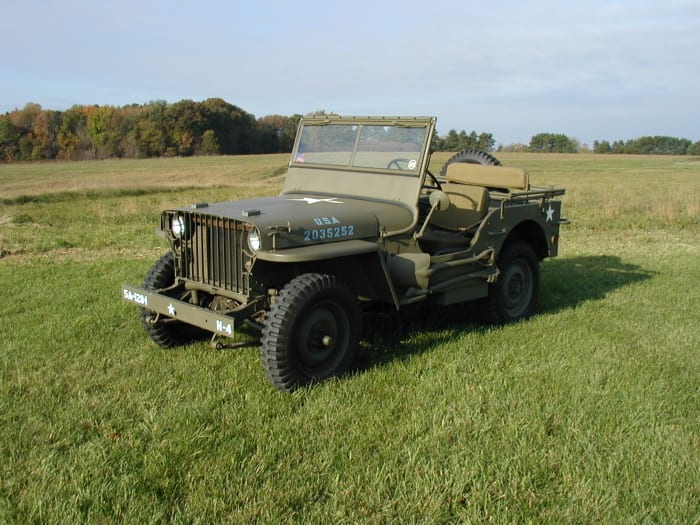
x: 565, y: 283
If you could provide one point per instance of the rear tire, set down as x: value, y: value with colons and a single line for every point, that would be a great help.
x: 312, y: 331
x: 515, y: 295
x: 163, y: 330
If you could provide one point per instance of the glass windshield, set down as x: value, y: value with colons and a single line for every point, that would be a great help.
x: 373, y: 146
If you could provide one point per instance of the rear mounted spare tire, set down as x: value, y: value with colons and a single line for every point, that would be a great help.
x: 471, y: 156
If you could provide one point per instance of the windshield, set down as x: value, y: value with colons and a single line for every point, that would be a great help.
x: 373, y: 146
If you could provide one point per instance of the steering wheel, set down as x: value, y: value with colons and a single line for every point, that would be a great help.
x: 396, y: 161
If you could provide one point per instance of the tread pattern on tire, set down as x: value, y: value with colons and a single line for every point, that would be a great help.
x: 165, y: 333
x: 282, y: 320
x: 491, y: 310
x: 471, y: 156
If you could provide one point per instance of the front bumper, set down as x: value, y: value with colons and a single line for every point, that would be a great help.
x: 186, y: 312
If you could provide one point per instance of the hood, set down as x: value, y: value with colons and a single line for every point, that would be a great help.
x: 294, y: 220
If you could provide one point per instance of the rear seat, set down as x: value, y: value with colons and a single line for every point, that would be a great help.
x: 496, y: 177
x: 468, y: 187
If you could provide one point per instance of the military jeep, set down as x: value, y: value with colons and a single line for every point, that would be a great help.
x: 361, y: 221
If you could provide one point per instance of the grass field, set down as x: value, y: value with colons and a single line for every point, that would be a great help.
x: 587, y: 413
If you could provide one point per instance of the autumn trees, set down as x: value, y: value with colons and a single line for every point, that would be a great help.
x: 214, y: 127
x: 151, y: 130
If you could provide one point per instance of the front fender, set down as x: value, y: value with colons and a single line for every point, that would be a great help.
x: 361, y: 264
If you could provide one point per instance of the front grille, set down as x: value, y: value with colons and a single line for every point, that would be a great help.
x: 212, y: 250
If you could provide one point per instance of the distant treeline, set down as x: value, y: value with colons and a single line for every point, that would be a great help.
x: 454, y: 141
x: 649, y: 146
x: 560, y: 143
x: 156, y: 129
x: 214, y: 127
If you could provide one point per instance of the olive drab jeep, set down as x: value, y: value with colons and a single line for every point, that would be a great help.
x: 361, y: 221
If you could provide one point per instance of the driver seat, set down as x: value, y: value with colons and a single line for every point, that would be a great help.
x: 468, y: 206
x: 450, y: 228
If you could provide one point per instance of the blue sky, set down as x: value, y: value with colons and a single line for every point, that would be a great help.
x: 597, y: 69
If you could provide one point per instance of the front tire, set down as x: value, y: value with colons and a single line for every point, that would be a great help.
x: 312, y: 331
x: 515, y: 295
x: 163, y: 330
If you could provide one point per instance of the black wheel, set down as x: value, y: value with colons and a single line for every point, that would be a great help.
x: 311, y: 333
x: 163, y: 330
x: 515, y: 295
x: 471, y: 156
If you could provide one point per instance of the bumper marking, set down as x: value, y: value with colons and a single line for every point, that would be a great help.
x: 186, y: 312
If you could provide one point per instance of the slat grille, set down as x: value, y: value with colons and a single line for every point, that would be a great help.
x: 212, y: 251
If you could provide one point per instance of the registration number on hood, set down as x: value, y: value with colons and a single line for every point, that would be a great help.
x: 331, y: 232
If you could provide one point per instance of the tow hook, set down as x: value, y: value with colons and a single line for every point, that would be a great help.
x: 218, y: 344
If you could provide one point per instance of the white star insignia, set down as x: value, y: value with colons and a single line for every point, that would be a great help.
x: 311, y: 200
x: 550, y: 213
x: 171, y: 309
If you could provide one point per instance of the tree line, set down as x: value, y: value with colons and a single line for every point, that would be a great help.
x: 454, y: 141
x: 216, y: 127
x: 560, y: 143
x: 160, y: 129
x: 155, y: 129
x: 657, y: 145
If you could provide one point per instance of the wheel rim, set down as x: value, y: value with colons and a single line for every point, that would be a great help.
x: 517, y: 288
x: 322, y: 338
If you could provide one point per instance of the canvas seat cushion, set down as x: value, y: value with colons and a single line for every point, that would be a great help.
x: 468, y: 205
x: 488, y: 176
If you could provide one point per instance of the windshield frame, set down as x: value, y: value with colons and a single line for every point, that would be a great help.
x: 397, y: 186
x: 358, y: 152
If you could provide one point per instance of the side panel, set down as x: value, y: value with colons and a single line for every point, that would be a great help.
x: 534, y: 221
x: 461, y: 291
x: 368, y: 275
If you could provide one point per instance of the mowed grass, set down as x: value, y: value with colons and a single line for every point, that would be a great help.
x: 589, y: 412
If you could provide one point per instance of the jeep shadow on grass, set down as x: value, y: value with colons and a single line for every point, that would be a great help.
x: 567, y: 283
x: 572, y: 281
x: 361, y: 224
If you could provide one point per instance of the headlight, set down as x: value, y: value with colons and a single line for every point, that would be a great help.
x: 177, y: 226
x: 254, y: 241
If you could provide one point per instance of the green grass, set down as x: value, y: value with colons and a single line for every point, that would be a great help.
x: 587, y: 413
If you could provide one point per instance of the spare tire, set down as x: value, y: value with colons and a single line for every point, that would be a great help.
x: 471, y: 156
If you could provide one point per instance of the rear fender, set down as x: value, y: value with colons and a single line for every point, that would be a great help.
x: 497, y: 231
x: 533, y: 233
